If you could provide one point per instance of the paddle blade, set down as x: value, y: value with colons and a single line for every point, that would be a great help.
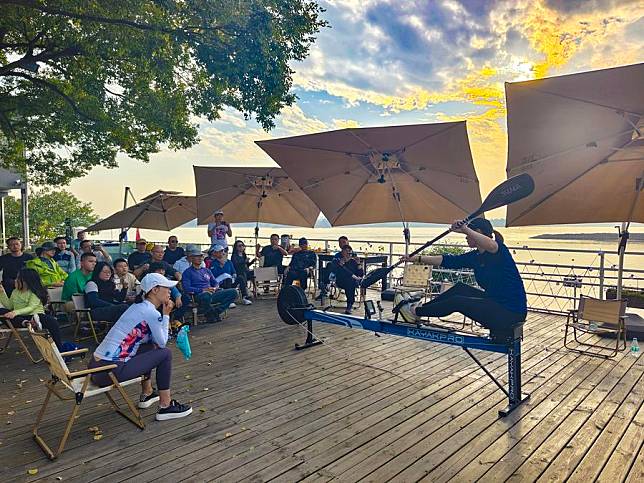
x: 511, y: 190
x: 375, y: 275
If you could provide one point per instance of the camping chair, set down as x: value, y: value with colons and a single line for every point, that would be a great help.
x: 416, y: 278
x: 594, y: 316
x: 12, y: 332
x: 79, y: 386
x: 267, y: 280
x: 56, y: 300
x: 83, y: 314
x: 194, y: 308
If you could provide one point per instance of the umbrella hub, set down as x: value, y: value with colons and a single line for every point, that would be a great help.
x: 262, y: 182
x: 383, y: 163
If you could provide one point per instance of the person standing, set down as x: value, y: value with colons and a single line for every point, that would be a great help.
x: 12, y: 262
x: 219, y: 230
x: 64, y: 257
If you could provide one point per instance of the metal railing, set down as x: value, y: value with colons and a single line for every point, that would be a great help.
x: 551, y: 287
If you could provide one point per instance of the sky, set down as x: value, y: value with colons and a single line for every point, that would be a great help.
x: 389, y: 62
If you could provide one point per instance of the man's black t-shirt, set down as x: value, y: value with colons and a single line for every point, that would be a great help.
x: 171, y: 256
x: 272, y: 256
x: 136, y: 259
x: 10, y: 267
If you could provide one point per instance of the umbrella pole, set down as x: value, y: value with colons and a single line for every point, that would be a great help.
x: 127, y: 189
x: 621, y: 250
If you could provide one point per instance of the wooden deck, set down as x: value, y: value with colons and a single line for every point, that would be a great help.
x: 360, y: 408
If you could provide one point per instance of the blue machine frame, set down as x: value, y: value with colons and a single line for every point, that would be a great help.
x: 509, y: 343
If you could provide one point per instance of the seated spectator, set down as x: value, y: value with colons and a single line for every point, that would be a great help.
x: 139, y: 260
x: 12, y: 262
x: 301, y: 261
x: 64, y: 257
x: 273, y: 254
x: 348, y: 275
x: 28, y: 299
x: 123, y: 279
x: 201, y: 283
x: 173, y: 252
x: 331, y: 267
x: 77, y: 280
x: 137, y: 344
x: 184, y: 262
x: 87, y: 246
x: 223, y: 269
x: 242, y: 265
x: 175, y: 294
x: 157, y: 257
x: 51, y: 275
x: 80, y: 236
x: 107, y: 303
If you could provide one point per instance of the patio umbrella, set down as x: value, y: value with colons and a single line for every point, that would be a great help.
x: 255, y: 194
x: 162, y: 210
x: 580, y: 137
x: 421, y: 173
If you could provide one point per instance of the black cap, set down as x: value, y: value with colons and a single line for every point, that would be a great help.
x: 482, y: 225
x: 303, y: 241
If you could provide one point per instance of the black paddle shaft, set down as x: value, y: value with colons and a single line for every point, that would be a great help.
x: 511, y: 190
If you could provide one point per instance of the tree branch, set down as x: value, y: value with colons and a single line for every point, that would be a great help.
x: 113, y: 21
x: 56, y: 89
x: 40, y: 57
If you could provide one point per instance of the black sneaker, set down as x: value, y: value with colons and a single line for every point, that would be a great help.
x: 173, y: 411
x: 149, y: 400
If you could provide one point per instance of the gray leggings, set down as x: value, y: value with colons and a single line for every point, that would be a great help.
x: 148, y: 357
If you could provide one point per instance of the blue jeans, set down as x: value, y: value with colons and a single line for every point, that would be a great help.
x: 221, y: 298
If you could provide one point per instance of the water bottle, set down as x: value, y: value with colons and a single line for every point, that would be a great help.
x: 332, y: 278
x: 635, y: 348
x: 593, y: 326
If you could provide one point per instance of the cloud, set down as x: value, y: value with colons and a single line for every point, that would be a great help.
x: 345, y: 123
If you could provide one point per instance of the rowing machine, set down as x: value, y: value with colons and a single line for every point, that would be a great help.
x: 294, y: 309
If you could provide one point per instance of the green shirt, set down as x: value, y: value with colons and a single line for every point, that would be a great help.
x: 75, y: 283
x: 22, y: 303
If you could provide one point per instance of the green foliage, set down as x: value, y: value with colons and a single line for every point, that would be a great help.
x: 48, y: 210
x: 129, y: 76
x: 444, y: 250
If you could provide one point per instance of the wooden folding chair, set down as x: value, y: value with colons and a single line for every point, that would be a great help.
x: 267, y: 280
x: 417, y: 277
x: 83, y: 314
x: 12, y: 332
x: 598, y: 317
x: 76, y: 387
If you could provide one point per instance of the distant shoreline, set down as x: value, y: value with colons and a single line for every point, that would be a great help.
x: 599, y: 237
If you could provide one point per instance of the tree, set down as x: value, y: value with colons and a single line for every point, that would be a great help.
x: 82, y: 81
x: 48, y: 212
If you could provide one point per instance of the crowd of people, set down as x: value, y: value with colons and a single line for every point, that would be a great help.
x: 140, y: 296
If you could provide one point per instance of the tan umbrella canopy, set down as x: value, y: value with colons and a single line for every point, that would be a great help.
x: 420, y: 172
x: 580, y: 137
x: 260, y: 195
x: 162, y: 210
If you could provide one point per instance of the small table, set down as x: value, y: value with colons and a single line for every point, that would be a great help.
x: 365, y: 261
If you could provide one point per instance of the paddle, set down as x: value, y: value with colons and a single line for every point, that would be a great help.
x: 509, y: 191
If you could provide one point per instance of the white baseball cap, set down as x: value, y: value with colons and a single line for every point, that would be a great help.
x: 219, y: 212
x: 152, y: 280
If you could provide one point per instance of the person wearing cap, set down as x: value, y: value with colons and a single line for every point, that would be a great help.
x: 51, y: 274
x: 500, y: 305
x: 137, y: 345
x: 200, y: 282
x: 219, y: 229
x: 301, y: 262
x: 184, y: 262
x: 139, y: 260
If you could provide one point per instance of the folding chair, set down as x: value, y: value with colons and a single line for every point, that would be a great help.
x: 266, y: 280
x: 12, y: 332
x: 416, y: 278
x: 598, y: 317
x: 79, y: 386
x: 56, y: 300
x: 83, y: 314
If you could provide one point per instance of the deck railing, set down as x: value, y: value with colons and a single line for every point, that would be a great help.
x: 551, y: 287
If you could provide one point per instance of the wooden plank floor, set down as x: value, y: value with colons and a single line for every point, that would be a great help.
x: 359, y: 408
